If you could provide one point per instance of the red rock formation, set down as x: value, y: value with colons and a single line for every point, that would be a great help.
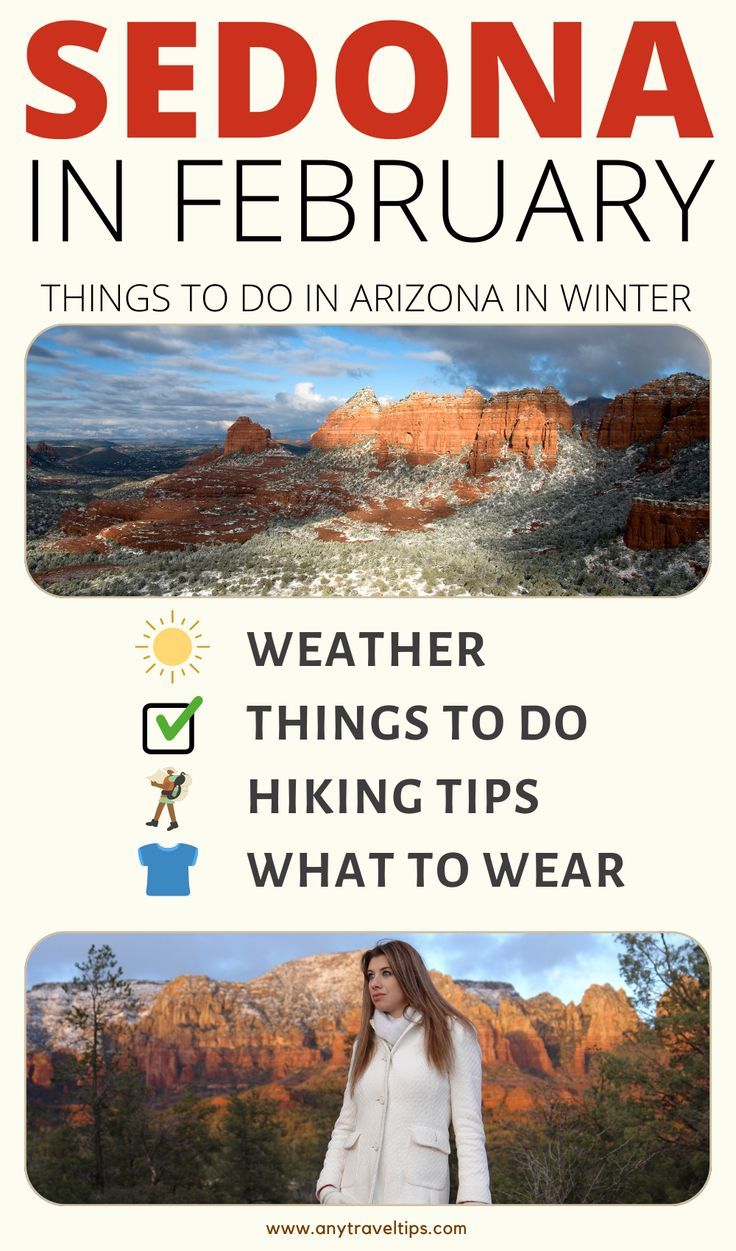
x: 298, y: 1020
x: 394, y: 515
x: 46, y: 450
x: 246, y: 436
x: 560, y: 1026
x: 211, y: 1034
x: 326, y: 534
x: 609, y: 1016
x: 42, y: 451
x: 668, y: 413
x: 589, y: 412
x: 471, y: 492
x: 39, y: 1068
x: 90, y: 569
x: 684, y: 428
x: 666, y: 523
x: 509, y: 1101
x: 494, y: 1047
x: 423, y: 426
x: 353, y: 422
x: 521, y: 422
x: 526, y: 1048
x: 573, y: 1033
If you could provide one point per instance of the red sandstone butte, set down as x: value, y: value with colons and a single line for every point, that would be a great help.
x: 355, y: 421
x: 573, y: 1033
x: 246, y: 436
x: 684, y: 428
x: 666, y: 523
x: 423, y: 426
x: 667, y: 413
x: 520, y: 422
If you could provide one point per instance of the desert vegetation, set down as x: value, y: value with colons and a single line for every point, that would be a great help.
x: 537, y: 532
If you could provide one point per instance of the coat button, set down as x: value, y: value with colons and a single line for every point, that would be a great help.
x: 374, y: 1146
x: 380, y: 1099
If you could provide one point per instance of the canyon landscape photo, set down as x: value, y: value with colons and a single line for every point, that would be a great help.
x: 141, y: 482
x: 617, y: 1081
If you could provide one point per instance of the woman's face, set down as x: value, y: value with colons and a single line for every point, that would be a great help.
x: 384, y: 988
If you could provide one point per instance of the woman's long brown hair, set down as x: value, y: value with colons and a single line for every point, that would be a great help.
x: 410, y: 971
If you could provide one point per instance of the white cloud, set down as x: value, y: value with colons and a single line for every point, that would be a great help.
x: 437, y: 355
x: 307, y: 399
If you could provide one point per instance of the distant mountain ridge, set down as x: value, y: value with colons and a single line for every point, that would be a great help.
x: 294, y: 1025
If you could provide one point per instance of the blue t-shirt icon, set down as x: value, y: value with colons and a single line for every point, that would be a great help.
x: 168, y: 867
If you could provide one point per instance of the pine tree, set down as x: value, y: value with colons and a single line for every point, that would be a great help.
x: 181, y: 1152
x: 656, y: 1088
x: 101, y: 1002
x: 253, y: 1157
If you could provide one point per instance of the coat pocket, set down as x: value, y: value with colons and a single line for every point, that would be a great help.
x: 350, y: 1168
x: 427, y: 1162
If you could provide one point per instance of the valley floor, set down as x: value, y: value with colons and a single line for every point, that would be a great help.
x: 531, y: 532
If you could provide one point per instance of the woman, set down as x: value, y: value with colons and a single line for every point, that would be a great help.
x: 415, y: 1068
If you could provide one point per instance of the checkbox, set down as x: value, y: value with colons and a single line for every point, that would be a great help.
x: 154, y: 741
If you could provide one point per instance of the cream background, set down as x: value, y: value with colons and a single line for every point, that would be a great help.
x: 651, y: 777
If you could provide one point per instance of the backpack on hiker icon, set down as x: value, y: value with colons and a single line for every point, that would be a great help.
x: 175, y: 791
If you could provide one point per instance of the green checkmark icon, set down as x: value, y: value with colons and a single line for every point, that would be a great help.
x: 170, y: 731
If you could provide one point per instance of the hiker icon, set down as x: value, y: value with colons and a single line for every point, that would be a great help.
x: 173, y: 786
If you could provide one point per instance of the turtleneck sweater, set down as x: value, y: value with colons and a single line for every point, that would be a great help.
x: 389, y: 1028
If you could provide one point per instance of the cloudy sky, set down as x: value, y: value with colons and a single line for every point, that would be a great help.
x: 188, y: 383
x: 564, y: 964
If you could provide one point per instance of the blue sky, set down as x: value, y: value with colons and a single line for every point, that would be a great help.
x: 188, y: 383
x: 563, y: 964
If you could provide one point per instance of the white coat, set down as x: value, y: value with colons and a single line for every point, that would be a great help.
x: 391, y: 1141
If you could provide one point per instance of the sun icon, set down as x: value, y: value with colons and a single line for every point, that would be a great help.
x: 172, y: 647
